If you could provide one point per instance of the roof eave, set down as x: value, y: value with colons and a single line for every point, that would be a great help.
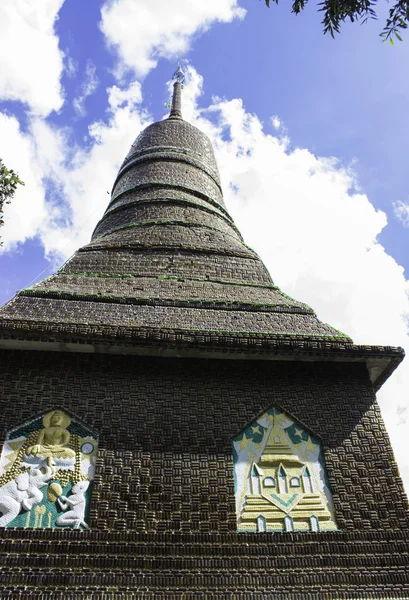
x: 381, y: 361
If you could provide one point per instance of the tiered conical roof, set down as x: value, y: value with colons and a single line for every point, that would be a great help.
x: 166, y: 264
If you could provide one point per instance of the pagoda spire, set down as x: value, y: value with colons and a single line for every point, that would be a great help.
x: 178, y: 81
x: 166, y: 256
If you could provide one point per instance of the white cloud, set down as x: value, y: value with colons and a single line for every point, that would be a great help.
x: 401, y: 210
x: 142, y: 31
x: 276, y: 121
x: 27, y: 35
x: 88, y: 87
x: 63, y: 199
x: 131, y: 95
x: 24, y: 215
x: 71, y: 66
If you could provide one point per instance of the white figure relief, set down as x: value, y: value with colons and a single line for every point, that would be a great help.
x: 76, y: 501
x: 22, y: 493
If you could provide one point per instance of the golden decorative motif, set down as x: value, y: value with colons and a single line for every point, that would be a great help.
x: 280, y: 484
x: 53, y: 492
x: 39, y: 513
x: 53, y: 440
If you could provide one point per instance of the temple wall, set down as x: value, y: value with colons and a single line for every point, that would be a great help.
x: 166, y: 428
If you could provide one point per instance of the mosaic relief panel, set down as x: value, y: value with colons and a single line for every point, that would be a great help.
x: 46, y: 471
x: 280, y: 477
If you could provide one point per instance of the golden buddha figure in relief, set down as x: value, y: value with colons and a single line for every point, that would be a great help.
x: 53, y: 440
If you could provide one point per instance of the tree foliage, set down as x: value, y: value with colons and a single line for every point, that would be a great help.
x: 9, y: 180
x: 338, y: 11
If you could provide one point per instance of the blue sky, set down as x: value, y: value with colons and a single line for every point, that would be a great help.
x: 311, y: 136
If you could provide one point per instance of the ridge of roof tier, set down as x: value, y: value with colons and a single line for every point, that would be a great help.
x: 167, y: 268
x: 23, y: 334
x: 171, y: 154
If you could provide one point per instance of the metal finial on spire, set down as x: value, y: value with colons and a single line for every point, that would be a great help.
x: 179, y: 76
x: 178, y: 81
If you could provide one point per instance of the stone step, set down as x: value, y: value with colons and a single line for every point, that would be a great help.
x: 180, y: 561
x: 230, y: 545
x: 269, y: 582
